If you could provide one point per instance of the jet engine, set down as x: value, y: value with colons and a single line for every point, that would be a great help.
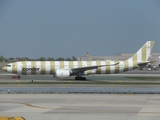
x: 62, y: 73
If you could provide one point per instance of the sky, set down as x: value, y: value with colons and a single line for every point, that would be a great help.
x: 66, y: 28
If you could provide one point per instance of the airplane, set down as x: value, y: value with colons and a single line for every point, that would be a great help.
x: 65, y: 69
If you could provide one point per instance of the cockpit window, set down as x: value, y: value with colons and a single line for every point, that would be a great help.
x: 8, y: 65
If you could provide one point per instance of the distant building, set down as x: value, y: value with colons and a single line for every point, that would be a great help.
x: 119, y: 57
x: 14, y: 60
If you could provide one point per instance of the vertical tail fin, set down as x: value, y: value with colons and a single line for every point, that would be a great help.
x: 143, y: 53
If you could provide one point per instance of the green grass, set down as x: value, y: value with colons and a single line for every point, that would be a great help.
x: 143, y: 78
x: 104, y: 83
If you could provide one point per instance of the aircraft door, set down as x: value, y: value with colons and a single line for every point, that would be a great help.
x: 121, y: 65
x: 14, y: 68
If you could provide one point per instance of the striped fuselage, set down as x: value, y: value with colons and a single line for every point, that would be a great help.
x: 49, y: 67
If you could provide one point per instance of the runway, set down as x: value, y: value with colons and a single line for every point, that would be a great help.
x: 99, y: 84
x: 81, y: 106
x: 70, y: 99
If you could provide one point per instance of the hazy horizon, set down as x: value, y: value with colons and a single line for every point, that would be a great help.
x: 69, y: 28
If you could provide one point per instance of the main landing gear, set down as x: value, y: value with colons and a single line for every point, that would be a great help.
x: 80, y: 78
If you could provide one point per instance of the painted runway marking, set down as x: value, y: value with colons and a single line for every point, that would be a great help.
x: 27, y: 104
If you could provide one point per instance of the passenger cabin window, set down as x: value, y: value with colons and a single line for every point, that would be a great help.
x: 8, y: 65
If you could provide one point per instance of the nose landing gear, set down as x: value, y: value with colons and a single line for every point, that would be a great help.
x: 18, y: 77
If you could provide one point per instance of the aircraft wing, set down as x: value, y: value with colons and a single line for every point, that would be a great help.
x: 81, y: 69
x: 145, y: 63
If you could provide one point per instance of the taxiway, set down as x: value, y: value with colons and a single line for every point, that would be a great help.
x: 81, y: 106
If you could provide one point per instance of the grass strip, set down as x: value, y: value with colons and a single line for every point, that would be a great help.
x: 143, y: 78
x: 114, y: 83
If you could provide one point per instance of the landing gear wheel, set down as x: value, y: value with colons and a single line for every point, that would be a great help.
x: 80, y: 78
x: 76, y: 78
x: 18, y: 77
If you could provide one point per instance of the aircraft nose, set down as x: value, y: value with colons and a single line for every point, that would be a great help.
x: 4, y: 68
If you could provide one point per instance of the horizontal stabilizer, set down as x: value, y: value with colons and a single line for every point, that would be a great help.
x: 145, y: 63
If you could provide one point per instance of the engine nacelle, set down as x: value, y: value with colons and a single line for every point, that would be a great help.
x: 62, y: 74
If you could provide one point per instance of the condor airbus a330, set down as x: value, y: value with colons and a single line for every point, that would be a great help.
x: 65, y: 69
